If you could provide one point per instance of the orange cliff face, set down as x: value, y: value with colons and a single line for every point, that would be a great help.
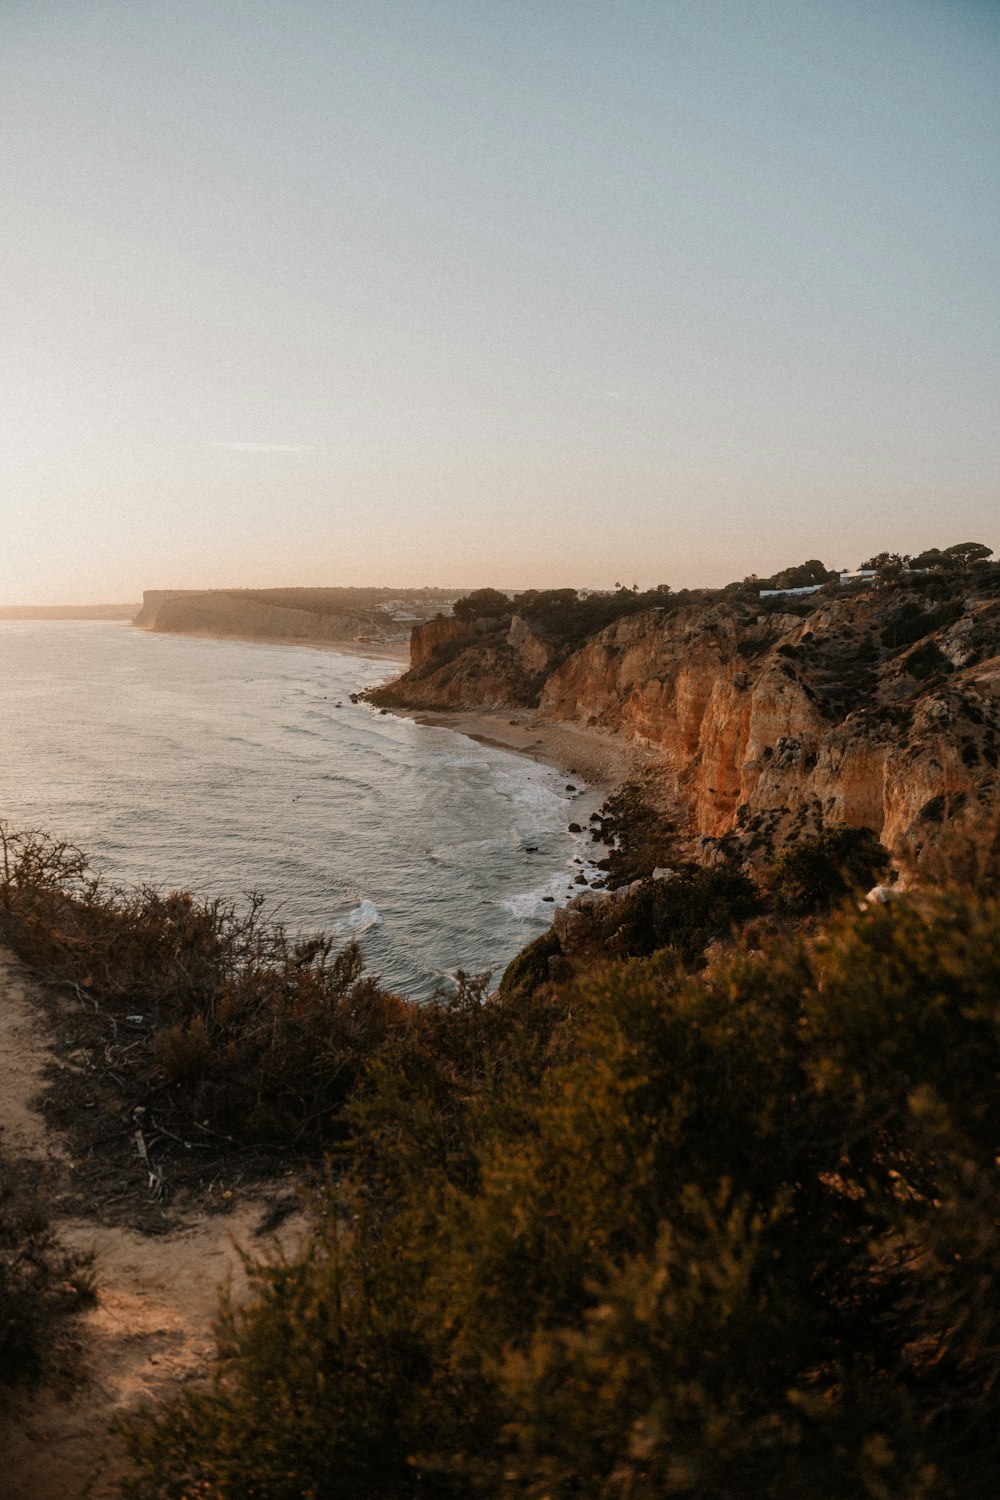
x: 875, y: 708
x: 878, y: 708
x: 775, y: 725
x: 436, y: 638
x: 486, y: 663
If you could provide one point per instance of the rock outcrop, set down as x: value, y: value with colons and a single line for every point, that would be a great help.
x: 465, y: 664
x: 879, y: 709
x: 438, y: 640
x: 485, y: 663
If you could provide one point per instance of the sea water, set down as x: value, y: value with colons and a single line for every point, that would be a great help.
x: 223, y: 767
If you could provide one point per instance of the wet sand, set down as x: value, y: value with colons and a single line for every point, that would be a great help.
x: 601, y: 760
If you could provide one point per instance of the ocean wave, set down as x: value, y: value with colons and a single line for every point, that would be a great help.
x: 540, y: 902
x: 210, y: 774
x: 364, y: 916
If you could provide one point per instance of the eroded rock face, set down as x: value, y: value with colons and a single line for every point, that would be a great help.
x: 872, y: 709
x: 435, y: 638
x: 772, y: 726
x: 464, y: 664
x: 535, y: 656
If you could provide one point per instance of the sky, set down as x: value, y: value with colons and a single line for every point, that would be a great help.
x: 527, y: 293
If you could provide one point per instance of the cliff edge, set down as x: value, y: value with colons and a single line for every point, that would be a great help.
x: 878, y: 708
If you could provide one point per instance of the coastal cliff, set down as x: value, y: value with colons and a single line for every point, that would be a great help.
x: 876, y: 708
x: 216, y: 612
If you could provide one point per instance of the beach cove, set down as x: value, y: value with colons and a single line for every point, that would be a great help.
x: 225, y: 766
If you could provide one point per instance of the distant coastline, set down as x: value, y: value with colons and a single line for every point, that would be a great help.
x: 69, y: 611
x: 372, y: 622
x: 376, y: 650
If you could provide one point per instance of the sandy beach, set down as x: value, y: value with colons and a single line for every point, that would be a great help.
x: 599, y: 759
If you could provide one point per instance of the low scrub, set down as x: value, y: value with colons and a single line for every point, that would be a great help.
x: 684, y: 913
x: 40, y: 1282
x: 249, y: 1030
x: 814, y: 873
x: 726, y: 1235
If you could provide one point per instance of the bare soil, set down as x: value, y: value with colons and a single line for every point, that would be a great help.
x: 165, y: 1230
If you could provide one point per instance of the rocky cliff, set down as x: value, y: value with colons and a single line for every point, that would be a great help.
x: 222, y: 613
x: 488, y: 663
x: 878, y: 709
x: 493, y: 662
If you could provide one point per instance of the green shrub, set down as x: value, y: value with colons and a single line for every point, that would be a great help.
x: 911, y: 623
x: 727, y: 1236
x: 803, y: 575
x: 425, y: 1101
x: 480, y: 603
x: 530, y: 968
x: 813, y: 873
x: 684, y: 913
x: 258, y: 1033
x: 39, y: 1282
x: 562, y: 617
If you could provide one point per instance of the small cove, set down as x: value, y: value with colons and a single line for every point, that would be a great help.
x: 229, y: 766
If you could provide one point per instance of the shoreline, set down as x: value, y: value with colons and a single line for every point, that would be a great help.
x: 394, y: 651
x: 600, y: 760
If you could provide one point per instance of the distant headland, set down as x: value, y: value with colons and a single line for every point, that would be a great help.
x: 344, y: 618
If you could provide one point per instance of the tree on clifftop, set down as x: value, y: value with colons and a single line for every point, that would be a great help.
x: 965, y: 553
x: 481, y: 602
x: 803, y: 575
x: 885, y: 560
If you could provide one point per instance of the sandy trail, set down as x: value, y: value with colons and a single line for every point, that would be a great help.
x: 157, y: 1295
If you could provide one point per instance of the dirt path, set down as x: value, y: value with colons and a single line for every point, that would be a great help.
x: 151, y: 1326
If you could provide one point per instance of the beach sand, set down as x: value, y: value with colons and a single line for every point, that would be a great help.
x: 601, y: 760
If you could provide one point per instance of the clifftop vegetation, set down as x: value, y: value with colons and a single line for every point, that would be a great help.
x: 667, y: 1229
x: 712, y: 1215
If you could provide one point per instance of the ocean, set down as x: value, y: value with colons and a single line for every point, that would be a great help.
x: 223, y: 767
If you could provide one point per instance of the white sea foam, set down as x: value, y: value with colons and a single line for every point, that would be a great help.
x: 364, y: 916
x: 532, y: 904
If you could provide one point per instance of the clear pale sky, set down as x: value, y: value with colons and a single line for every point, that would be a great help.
x: 526, y: 292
